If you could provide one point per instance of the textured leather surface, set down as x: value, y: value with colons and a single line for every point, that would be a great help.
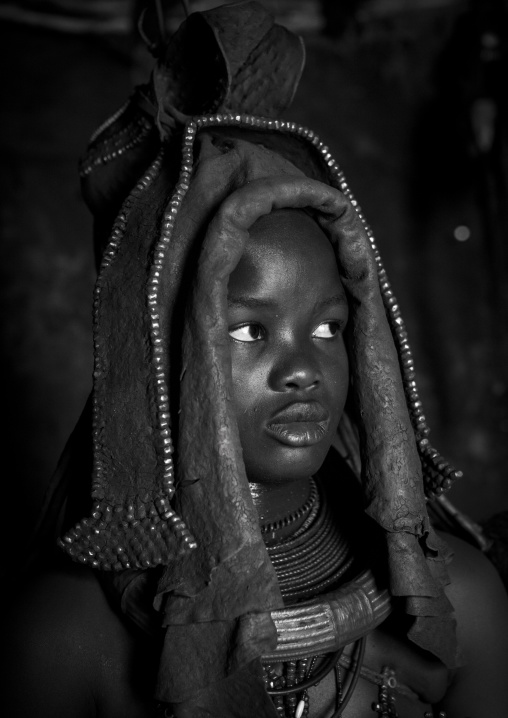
x: 214, y: 601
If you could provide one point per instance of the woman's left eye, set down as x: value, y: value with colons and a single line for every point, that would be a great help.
x: 326, y: 330
x: 247, y: 333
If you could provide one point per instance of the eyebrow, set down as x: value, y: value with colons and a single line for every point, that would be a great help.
x: 248, y: 302
x: 254, y: 303
x: 336, y: 300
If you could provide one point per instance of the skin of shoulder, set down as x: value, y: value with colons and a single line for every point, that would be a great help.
x: 67, y: 653
x: 479, y: 687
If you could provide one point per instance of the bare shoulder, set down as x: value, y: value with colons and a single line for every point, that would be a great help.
x: 476, y: 590
x: 66, y: 651
x: 481, y: 611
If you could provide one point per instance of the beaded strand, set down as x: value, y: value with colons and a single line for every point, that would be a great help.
x: 117, y: 145
x: 295, y: 515
x: 298, y: 676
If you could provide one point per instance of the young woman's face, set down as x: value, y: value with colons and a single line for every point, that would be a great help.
x: 287, y: 313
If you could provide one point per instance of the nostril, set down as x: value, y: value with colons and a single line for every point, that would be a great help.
x: 297, y: 373
x: 301, y: 384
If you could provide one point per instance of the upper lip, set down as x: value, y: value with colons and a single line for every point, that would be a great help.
x: 300, y: 411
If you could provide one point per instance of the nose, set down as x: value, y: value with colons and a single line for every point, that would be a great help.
x: 293, y: 370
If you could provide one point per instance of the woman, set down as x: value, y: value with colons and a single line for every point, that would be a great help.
x: 243, y: 317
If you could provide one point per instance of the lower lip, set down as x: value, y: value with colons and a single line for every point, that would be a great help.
x: 299, y: 433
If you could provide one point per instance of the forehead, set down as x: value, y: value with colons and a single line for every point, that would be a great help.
x: 286, y: 248
x: 283, y: 229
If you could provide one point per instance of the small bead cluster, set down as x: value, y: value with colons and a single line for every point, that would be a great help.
x: 385, y: 706
x: 291, y: 705
x: 438, y: 473
x: 124, y: 537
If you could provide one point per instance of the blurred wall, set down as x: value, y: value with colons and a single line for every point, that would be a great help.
x: 57, y: 88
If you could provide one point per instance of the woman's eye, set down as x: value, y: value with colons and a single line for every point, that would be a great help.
x: 247, y: 333
x: 326, y: 330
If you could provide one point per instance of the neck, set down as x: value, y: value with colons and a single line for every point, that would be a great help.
x: 275, y: 502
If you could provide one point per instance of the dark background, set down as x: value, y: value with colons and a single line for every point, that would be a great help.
x: 410, y: 95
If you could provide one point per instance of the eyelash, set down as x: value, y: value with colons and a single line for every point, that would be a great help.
x: 262, y: 331
x: 333, y: 324
x: 243, y: 326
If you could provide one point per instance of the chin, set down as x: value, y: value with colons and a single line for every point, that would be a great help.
x: 287, y: 465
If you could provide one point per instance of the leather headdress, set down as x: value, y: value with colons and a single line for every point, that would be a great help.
x: 162, y: 364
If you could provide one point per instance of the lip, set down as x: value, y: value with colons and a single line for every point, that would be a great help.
x: 300, y: 424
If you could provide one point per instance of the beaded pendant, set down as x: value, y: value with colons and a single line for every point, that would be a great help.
x: 385, y: 706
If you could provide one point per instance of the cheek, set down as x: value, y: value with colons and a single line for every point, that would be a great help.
x: 247, y: 394
x: 248, y: 381
x: 336, y: 374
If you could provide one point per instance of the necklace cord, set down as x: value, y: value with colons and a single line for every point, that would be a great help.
x: 354, y: 678
x: 311, y: 680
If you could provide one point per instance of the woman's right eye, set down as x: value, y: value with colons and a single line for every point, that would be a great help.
x: 247, y: 333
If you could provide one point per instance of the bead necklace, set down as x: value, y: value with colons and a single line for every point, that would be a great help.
x: 310, y: 562
x: 274, y: 526
x: 289, y: 705
x: 307, y: 563
x: 289, y: 689
x: 314, y: 558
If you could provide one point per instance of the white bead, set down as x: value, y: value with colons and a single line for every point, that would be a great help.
x: 299, y: 709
